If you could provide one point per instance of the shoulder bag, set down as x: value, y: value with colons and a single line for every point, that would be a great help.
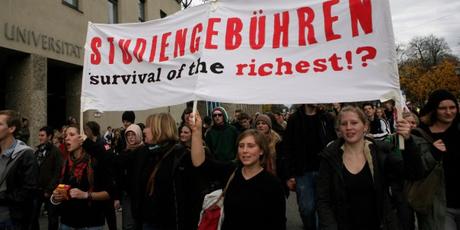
x: 212, y: 212
x: 421, y: 193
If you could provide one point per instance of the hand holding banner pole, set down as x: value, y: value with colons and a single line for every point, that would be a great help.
x: 81, y: 123
x: 399, y: 111
x: 397, y: 97
x: 194, y: 111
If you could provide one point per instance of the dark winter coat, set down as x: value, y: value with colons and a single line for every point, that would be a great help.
x: 333, y: 208
x: 221, y: 140
x: 296, y: 148
x: 50, y: 167
x: 177, y: 196
x: 21, y: 180
x: 450, y: 162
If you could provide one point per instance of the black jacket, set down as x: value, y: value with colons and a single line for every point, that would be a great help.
x: 50, y: 166
x: 296, y: 147
x: 178, y: 189
x: 123, y: 169
x: 86, y: 213
x: 105, y: 157
x: 21, y: 180
x: 333, y: 207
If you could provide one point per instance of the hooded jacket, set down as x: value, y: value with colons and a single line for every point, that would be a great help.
x: 123, y: 167
x: 138, y: 132
x: 21, y: 180
x: 332, y: 200
x: 221, y: 140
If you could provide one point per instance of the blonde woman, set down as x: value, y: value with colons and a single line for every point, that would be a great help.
x: 354, y: 175
x: 167, y: 191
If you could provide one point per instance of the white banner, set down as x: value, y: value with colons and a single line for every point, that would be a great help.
x: 244, y: 51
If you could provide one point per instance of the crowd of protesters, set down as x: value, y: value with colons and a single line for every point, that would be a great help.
x: 343, y: 161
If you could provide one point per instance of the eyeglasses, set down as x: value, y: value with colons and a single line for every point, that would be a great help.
x: 217, y: 115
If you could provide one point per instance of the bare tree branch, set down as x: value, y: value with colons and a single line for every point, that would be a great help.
x: 429, y: 50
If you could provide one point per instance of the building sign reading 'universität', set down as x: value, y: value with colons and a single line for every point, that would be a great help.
x: 41, y: 41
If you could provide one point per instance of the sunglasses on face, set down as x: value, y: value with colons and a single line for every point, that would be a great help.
x: 217, y: 115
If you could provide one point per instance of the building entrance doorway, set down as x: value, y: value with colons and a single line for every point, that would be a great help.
x: 59, y: 75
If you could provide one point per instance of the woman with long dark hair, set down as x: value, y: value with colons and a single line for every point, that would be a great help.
x: 439, y: 119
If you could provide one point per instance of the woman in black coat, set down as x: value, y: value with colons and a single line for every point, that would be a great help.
x: 354, y: 176
x: 254, y: 198
x: 167, y: 191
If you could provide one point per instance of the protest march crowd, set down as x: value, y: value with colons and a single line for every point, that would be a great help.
x: 343, y: 161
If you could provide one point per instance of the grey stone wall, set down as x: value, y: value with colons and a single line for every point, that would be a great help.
x: 26, y: 91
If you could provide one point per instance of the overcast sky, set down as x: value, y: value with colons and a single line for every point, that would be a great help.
x: 424, y: 17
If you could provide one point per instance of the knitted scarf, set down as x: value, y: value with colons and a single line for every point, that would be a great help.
x: 76, y: 167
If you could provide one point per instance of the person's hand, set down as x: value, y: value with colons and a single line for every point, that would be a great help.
x: 58, y: 196
x: 291, y: 184
x: 195, y: 122
x: 403, y: 128
x: 83, y: 137
x: 439, y: 144
x: 78, y: 194
x: 116, y: 204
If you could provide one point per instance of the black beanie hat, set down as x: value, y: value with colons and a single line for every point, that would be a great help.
x: 435, y: 98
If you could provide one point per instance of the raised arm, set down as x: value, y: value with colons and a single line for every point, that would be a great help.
x: 197, y: 149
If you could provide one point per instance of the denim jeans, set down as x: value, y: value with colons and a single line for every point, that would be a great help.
x: 53, y: 217
x: 306, y: 199
x: 8, y: 225
x: 128, y: 222
x: 65, y: 227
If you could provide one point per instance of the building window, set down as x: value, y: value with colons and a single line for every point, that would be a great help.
x: 71, y: 3
x: 113, y: 11
x: 141, y: 4
x: 163, y: 14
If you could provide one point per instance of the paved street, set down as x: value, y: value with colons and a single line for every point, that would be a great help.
x: 292, y: 214
x: 293, y: 219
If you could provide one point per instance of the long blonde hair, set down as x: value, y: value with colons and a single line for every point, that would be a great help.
x: 358, y: 111
x: 163, y: 127
x: 273, y: 139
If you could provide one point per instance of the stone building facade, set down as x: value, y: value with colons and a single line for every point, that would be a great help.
x: 41, y: 55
